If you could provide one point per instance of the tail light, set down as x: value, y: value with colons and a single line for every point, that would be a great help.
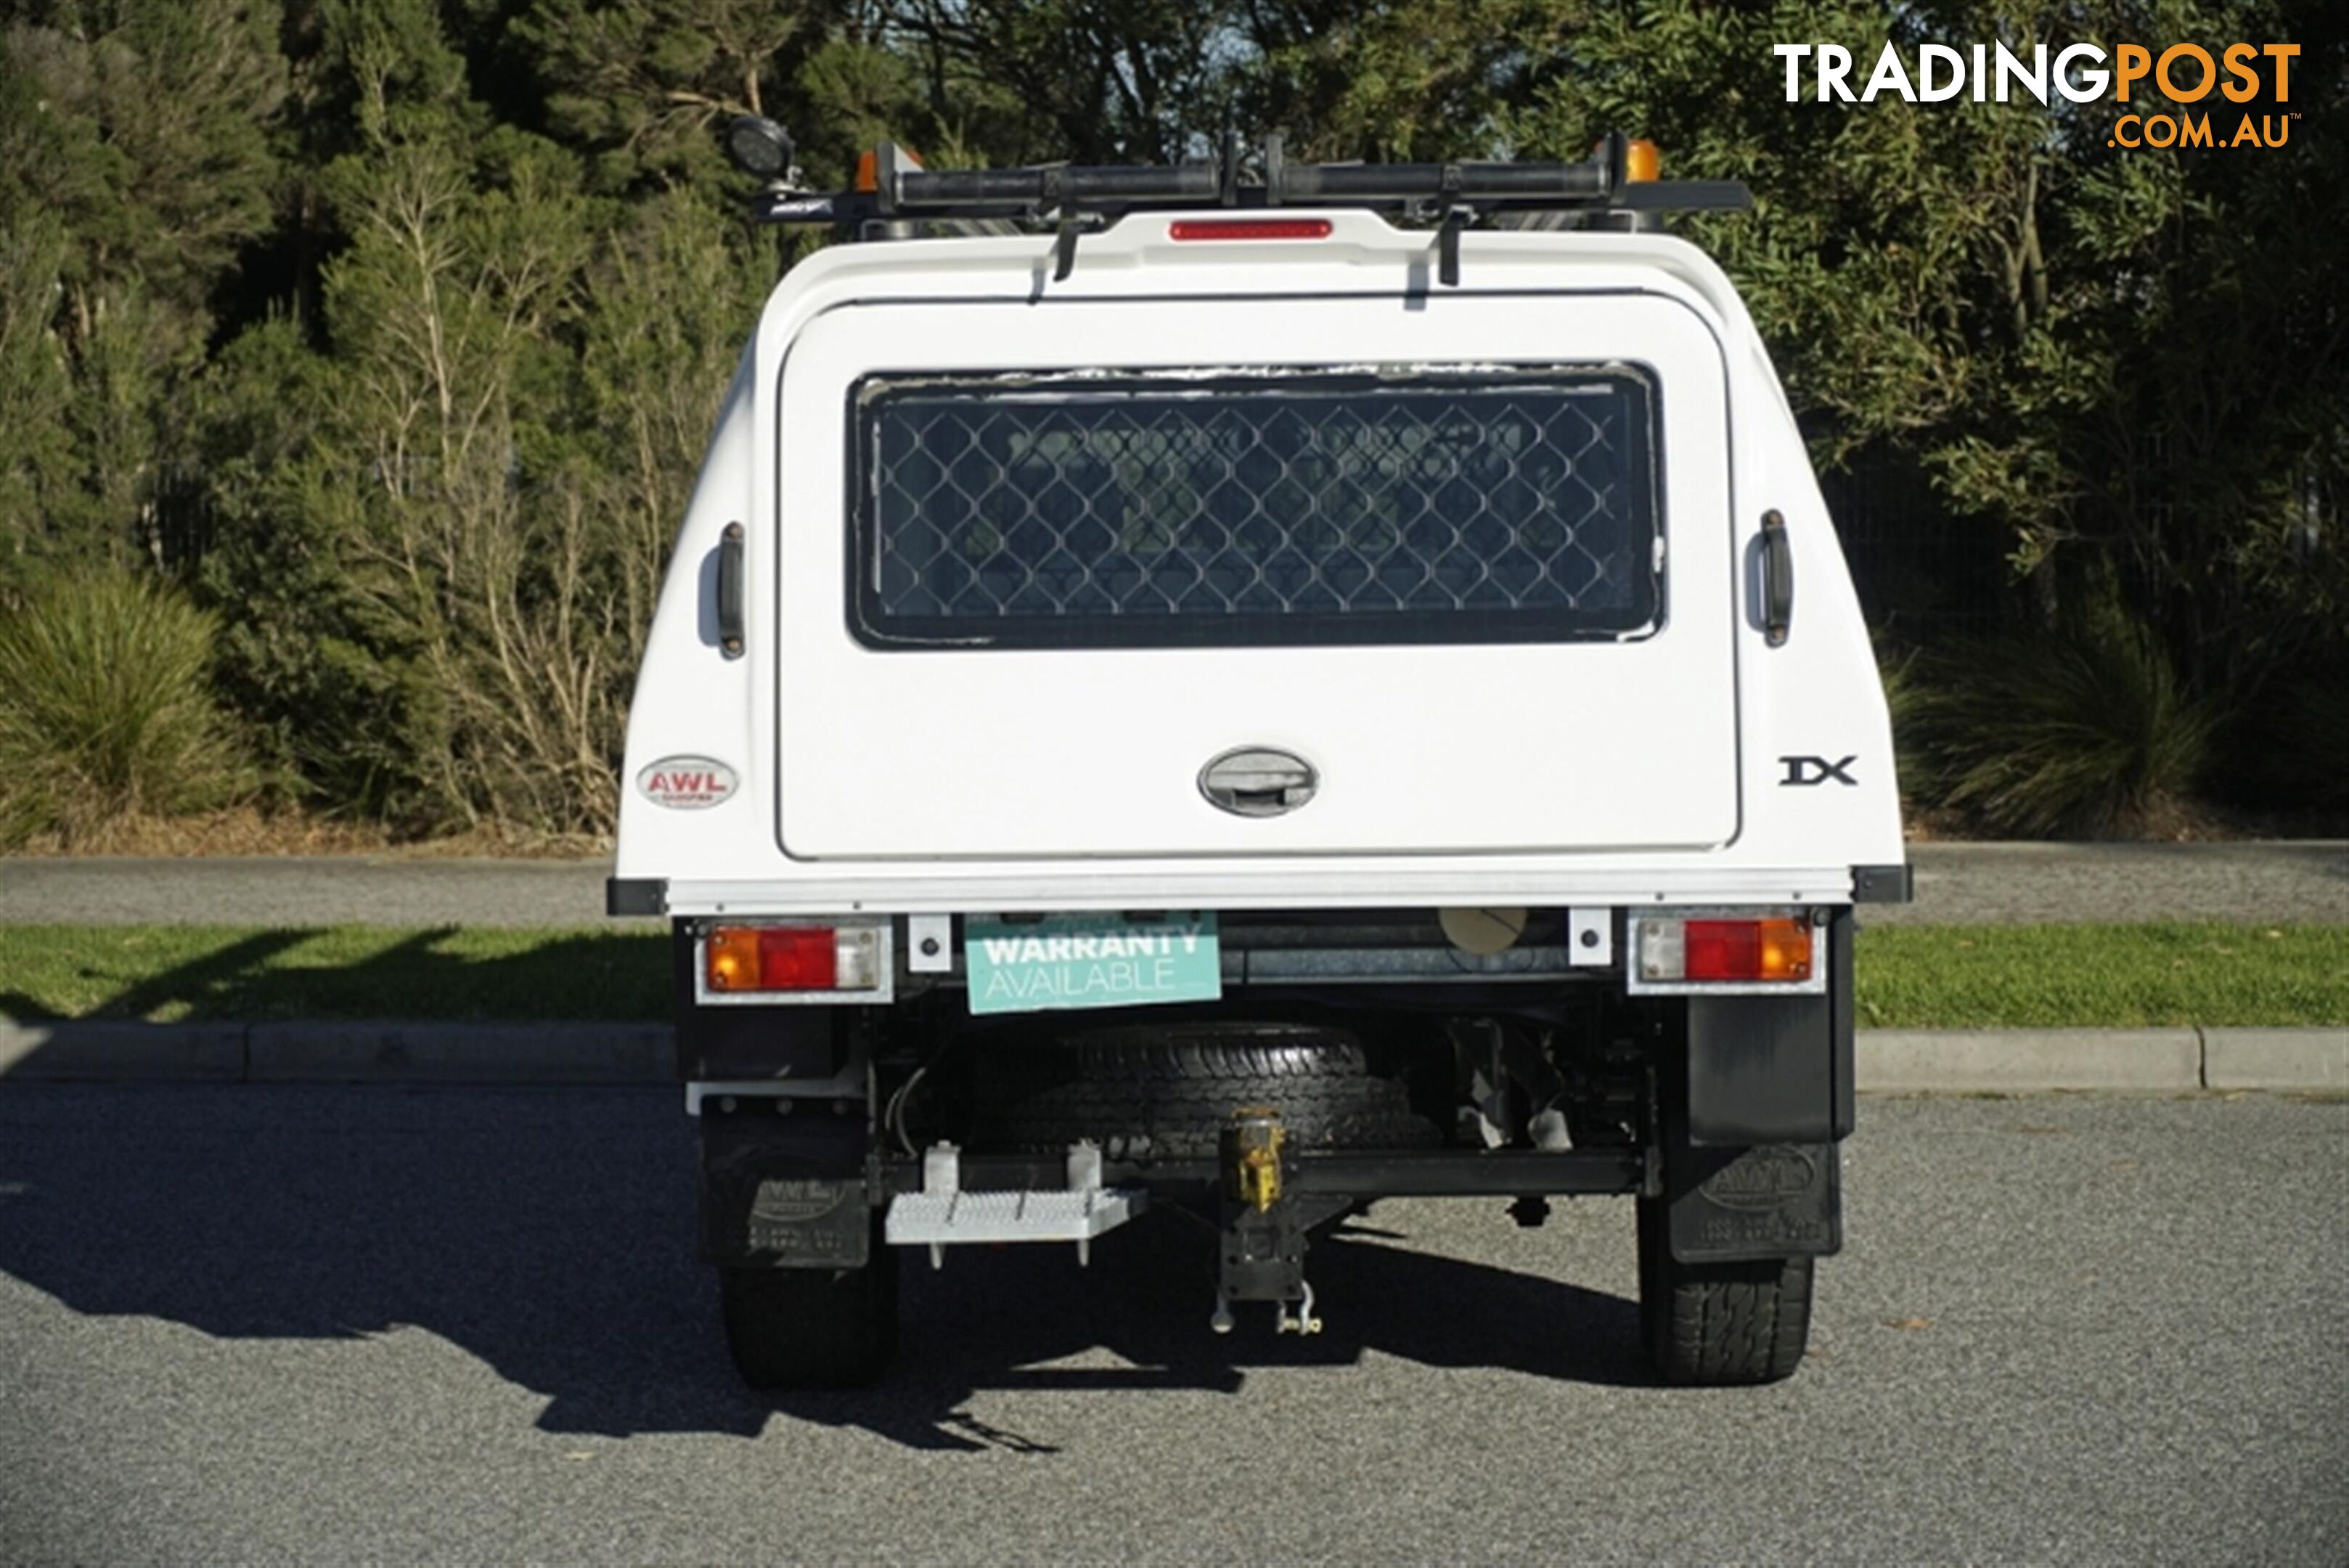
x: 784, y: 963
x: 1684, y: 953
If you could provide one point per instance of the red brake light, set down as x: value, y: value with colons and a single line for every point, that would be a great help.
x: 746, y: 959
x: 1248, y: 229
x: 798, y: 959
x: 1748, y: 950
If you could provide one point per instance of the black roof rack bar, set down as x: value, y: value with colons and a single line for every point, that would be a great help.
x: 1306, y: 184
x: 1051, y: 187
x: 1650, y: 196
x: 1452, y: 194
x: 1056, y: 186
x: 1684, y: 196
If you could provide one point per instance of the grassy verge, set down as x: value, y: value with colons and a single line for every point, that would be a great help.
x: 174, y: 972
x: 2101, y: 976
x: 1912, y: 977
x: 2053, y: 977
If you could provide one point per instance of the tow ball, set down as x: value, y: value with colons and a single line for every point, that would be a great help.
x: 1263, y: 1231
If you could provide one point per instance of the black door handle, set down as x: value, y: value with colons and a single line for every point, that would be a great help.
x: 1778, y: 580
x: 730, y: 591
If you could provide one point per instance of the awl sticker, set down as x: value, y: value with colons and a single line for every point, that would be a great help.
x: 687, y: 784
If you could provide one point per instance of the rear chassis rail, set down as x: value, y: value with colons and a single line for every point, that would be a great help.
x: 1354, y: 1174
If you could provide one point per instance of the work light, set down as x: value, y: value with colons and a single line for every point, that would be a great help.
x: 758, y: 147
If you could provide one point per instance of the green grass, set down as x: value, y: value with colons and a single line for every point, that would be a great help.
x: 2056, y: 977
x: 1911, y: 977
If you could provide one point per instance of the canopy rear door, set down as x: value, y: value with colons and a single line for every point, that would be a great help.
x: 1466, y: 560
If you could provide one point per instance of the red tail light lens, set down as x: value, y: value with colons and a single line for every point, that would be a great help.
x: 1675, y: 952
x: 1248, y: 229
x: 747, y: 959
x: 798, y: 959
x: 1748, y: 949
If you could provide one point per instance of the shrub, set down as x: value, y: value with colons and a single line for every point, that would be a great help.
x: 2073, y: 734
x: 2289, y: 748
x: 1904, y: 696
x: 2311, y: 736
x: 105, y: 711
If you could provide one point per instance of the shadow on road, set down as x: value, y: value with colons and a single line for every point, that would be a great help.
x: 550, y: 1235
x: 314, y: 973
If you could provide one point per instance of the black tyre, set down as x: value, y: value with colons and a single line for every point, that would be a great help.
x: 812, y: 1328
x: 1167, y: 1091
x: 1717, y: 1324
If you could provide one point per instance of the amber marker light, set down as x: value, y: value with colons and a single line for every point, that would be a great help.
x: 1642, y: 159
x: 731, y: 959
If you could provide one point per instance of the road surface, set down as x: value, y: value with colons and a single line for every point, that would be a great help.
x: 245, y: 1324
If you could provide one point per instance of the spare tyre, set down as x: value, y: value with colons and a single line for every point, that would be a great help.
x: 1166, y: 1091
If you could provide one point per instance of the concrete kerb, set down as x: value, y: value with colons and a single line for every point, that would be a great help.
x: 103, y: 1051
x: 551, y: 1054
x: 2276, y: 1059
x: 2023, y: 1061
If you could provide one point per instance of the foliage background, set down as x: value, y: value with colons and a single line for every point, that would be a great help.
x: 388, y: 332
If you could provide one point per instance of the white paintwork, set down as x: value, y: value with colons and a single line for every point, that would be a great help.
x: 1093, y: 752
x: 873, y: 762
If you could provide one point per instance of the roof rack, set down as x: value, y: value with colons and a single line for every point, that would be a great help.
x: 892, y: 192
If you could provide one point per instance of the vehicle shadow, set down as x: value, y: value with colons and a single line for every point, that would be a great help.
x: 550, y: 1235
x: 1018, y: 1317
x: 260, y: 977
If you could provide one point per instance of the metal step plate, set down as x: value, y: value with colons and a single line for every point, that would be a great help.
x: 949, y: 1219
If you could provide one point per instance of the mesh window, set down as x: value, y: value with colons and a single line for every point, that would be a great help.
x: 1245, y: 510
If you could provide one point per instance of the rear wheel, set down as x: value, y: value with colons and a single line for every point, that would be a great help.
x: 1715, y: 1324
x: 812, y: 1328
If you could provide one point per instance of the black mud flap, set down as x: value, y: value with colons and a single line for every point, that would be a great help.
x: 1777, y: 1200
x: 792, y: 1201
x: 1775, y: 1069
x: 751, y: 1042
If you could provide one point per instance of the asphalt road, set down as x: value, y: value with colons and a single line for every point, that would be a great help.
x: 345, y: 1324
x: 1956, y: 884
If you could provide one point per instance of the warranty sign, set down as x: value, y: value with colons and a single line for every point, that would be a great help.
x: 1090, y: 960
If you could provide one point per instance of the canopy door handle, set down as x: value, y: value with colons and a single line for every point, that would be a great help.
x: 1258, y: 781
x: 1778, y: 580
x: 730, y: 591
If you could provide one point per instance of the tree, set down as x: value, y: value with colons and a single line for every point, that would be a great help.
x: 134, y: 164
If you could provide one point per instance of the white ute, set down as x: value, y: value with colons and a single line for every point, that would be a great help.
x: 1243, y: 689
